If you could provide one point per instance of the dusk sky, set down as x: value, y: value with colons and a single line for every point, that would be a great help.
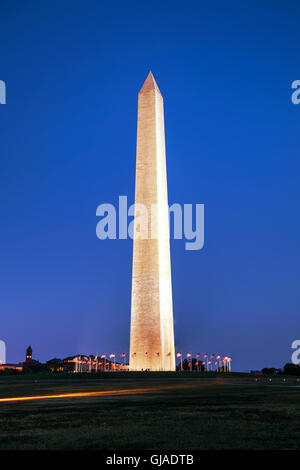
x: 73, y: 70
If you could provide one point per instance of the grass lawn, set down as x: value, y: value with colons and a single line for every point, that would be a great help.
x: 172, y: 412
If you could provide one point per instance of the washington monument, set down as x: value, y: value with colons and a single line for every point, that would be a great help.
x: 152, y: 329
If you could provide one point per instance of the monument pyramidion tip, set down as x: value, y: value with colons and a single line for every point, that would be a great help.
x: 149, y: 84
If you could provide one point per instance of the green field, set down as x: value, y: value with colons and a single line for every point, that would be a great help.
x: 158, y: 412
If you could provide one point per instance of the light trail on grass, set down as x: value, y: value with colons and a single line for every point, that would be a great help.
x: 130, y: 391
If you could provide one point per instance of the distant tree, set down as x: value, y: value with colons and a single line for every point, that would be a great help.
x: 36, y: 368
x: 291, y: 369
x: 10, y: 372
x: 268, y: 370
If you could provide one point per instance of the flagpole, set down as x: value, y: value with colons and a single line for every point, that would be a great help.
x: 198, y: 357
x: 189, y: 355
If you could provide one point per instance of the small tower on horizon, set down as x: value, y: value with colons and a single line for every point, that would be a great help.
x: 29, y: 354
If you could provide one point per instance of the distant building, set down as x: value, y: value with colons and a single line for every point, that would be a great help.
x: 55, y: 365
x: 82, y: 363
x: 29, y: 354
x: 29, y: 362
x: 16, y: 367
x: 72, y: 364
x: 8, y: 367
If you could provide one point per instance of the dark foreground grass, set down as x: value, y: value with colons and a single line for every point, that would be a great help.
x: 216, y: 413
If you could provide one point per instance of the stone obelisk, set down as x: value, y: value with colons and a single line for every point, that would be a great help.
x: 152, y: 329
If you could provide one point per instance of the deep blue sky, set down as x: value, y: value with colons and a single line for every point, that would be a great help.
x: 73, y: 70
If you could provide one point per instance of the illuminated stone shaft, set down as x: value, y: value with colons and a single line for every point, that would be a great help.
x: 152, y: 330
